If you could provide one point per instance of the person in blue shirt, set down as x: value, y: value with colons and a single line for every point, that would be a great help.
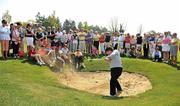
x: 156, y: 55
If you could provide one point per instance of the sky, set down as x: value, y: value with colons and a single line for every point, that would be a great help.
x: 159, y: 15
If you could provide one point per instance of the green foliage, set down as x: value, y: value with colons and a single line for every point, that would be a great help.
x: 85, y: 25
x: 52, y: 20
x: 98, y: 28
x: 69, y: 25
x: 80, y: 25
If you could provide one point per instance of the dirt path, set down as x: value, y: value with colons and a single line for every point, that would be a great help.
x: 98, y: 82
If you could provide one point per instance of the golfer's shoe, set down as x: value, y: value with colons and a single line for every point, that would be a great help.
x: 43, y: 63
x: 118, y: 93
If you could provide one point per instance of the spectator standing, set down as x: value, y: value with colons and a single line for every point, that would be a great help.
x: 174, y: 49
x: 96, y: 40
x: 166, y: 47
x: 29, y: 37
x: 89, y: 41
x: 107, y: 40
x: 75, y: 41
x: 82, y: 43
x: 101, y: 43
x: 146, y: 45
x: 4, y: 38
x: 15, y: 41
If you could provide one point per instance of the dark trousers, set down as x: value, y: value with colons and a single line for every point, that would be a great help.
x: 15, y: 48
x: 96, y: 44
x: 115, y: 47
x: 78, y: 60
x: 146, y: 50
x: 157, y: 58
x: 160, y: 49
x: 114, y: 84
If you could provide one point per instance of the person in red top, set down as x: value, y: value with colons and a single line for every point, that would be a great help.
x: 34, y: 55
x: 127, y: 43
x: 101, y: 43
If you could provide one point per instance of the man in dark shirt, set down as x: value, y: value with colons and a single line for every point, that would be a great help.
x: 107, y: 40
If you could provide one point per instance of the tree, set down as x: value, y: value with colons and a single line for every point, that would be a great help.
x: 66, y: 25
x: 80, y: 25
x: 85, y: 25
x: 114, y: 24
x: 104, y: 29
x: 69, y: 25
x: 73, y: 25
x: 39, y: 18
x: 51, y: 20
x: 6, y: 16
x: 97, y: 28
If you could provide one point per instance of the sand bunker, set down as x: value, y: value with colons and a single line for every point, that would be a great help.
x: 98, y: 82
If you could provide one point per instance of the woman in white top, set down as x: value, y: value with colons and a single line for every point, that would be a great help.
x: 4, y: 38
x: 29, y: 37
x: 115, y: 41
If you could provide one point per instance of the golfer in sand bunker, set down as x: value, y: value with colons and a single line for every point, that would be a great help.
x: 116, y: 70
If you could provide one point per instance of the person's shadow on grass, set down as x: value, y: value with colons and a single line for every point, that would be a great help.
x: 112, y: 98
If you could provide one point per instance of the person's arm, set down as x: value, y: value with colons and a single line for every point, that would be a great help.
x: 49, y: 52
x: 107, y: 59
x: 112, y: 54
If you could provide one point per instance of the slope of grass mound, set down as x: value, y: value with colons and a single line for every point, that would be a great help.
x: 24, y: 84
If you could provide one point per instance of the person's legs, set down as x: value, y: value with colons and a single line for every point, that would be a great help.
x: 6, y: 48
x: 116, y: 46
x: 37, y: 59
x: 14, y: 48
x: 156, y: 58
x: 78, y: 61
x: 40, y: 59
x: 102, y: 48
x: 175, y: 59
x: 84, y: 46
x: 2, y: 49
x: 74, y: 47
x: 87, y: 47
x: 22, y: 44
x: 80, y: 45
x: 114, y: 84
x: 163, y: 56
x: 168, y: 56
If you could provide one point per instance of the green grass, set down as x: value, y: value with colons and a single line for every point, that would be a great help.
x: 25, y: 84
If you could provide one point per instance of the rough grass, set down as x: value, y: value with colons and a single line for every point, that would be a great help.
x: 26, y: 84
